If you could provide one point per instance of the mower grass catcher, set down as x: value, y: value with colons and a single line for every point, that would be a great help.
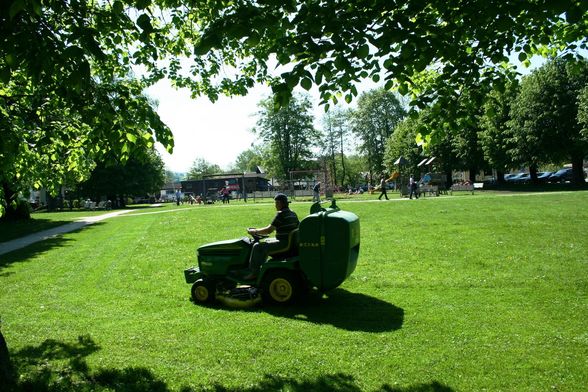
x: 323, y: 254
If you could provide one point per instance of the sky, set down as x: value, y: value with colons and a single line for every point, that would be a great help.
x: 217, y: 132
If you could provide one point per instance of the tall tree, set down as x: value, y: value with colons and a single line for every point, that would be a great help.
x: 142, y: 174
x: 378, y: 113
x: 545, y: 116
x: 288, y: 133
x: 335, y: 134
x: 67, y: 97
x: 438, y: 144
x: 249, y: 160
x: 583, y: 111
x: 495, y: 135
x: 402, y: 143
x: 200, y: 168
x: 356, y: 173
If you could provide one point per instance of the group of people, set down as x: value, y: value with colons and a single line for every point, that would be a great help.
x: 413, y: 188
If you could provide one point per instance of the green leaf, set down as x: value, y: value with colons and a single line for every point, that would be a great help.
x: 142, y: 4
x: 403, y: 89
x: 131, y: 138
x: 10, y: 59
x: 117, y: 7
x: 144, y: 22
x: 522, y: 56
x: 389, y: 84
x: 574, y: 15
x: 306, y: 83
x: 363, y: 51
x: 318, y: 77
x: 5, y: 75
x: 37, y: 8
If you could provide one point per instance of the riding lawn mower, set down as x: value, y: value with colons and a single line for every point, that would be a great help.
x: 323, y: 252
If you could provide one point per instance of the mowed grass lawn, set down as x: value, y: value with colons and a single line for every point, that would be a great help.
x: 466, y: 293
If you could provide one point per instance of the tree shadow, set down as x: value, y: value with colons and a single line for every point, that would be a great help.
x: 29, y: 251
x: 60, y: 366
x: 345, y: 310
x: 11, y: 230
x: 338, y: 382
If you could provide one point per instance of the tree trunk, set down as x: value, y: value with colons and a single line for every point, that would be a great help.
x: 10, y: 196
x: 6, y: 374
x: 500, y: 177
x: 472, y: 175
x: 578, y: 170
x: 533, y: 173
x: 448, y: 178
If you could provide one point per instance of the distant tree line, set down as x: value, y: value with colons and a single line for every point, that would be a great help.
x: 536, y: 121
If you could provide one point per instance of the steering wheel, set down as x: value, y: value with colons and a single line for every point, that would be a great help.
x: 257, y: 237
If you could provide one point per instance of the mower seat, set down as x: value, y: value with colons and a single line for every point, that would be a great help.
x: 290, y: 250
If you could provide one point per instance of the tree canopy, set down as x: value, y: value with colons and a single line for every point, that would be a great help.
x: 200, y: 168
x: 288, y: 134
x: 68, y: 95
x: 336, y: 44
x: 378, y: 113
x: 545, y: 116
x: 142, y: 174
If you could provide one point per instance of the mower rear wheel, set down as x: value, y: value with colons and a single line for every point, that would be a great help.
x: 203, y: 291
x: 280, y: 287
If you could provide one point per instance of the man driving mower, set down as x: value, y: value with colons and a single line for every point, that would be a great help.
x: 284, y: 223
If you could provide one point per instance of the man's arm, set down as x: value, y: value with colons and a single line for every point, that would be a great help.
x: 263, y: 231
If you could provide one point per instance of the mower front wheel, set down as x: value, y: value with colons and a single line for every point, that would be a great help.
x: 203, y: 291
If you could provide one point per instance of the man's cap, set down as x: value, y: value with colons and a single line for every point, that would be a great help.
x: 281, y: 197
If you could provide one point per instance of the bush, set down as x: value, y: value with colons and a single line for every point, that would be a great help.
x: 19, y: 209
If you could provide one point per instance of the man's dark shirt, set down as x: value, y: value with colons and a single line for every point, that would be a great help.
x: 285, y: 221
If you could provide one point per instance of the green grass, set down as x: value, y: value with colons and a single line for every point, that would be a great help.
x: 463, y: 293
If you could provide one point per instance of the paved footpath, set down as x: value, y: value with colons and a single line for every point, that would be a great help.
x: 19, y: 243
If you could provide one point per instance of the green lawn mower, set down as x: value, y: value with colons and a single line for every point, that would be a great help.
x: 323, y: 253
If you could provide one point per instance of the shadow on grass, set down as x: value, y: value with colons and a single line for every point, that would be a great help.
x: 59, y: 366
x: 24, y: 254
x: 338, y: 382
x: 13, y: 230
x: 346, y: 310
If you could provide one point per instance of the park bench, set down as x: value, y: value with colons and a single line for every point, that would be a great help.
x: 429, y: 190
x: 467, y: 187
x: 103, y: 205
